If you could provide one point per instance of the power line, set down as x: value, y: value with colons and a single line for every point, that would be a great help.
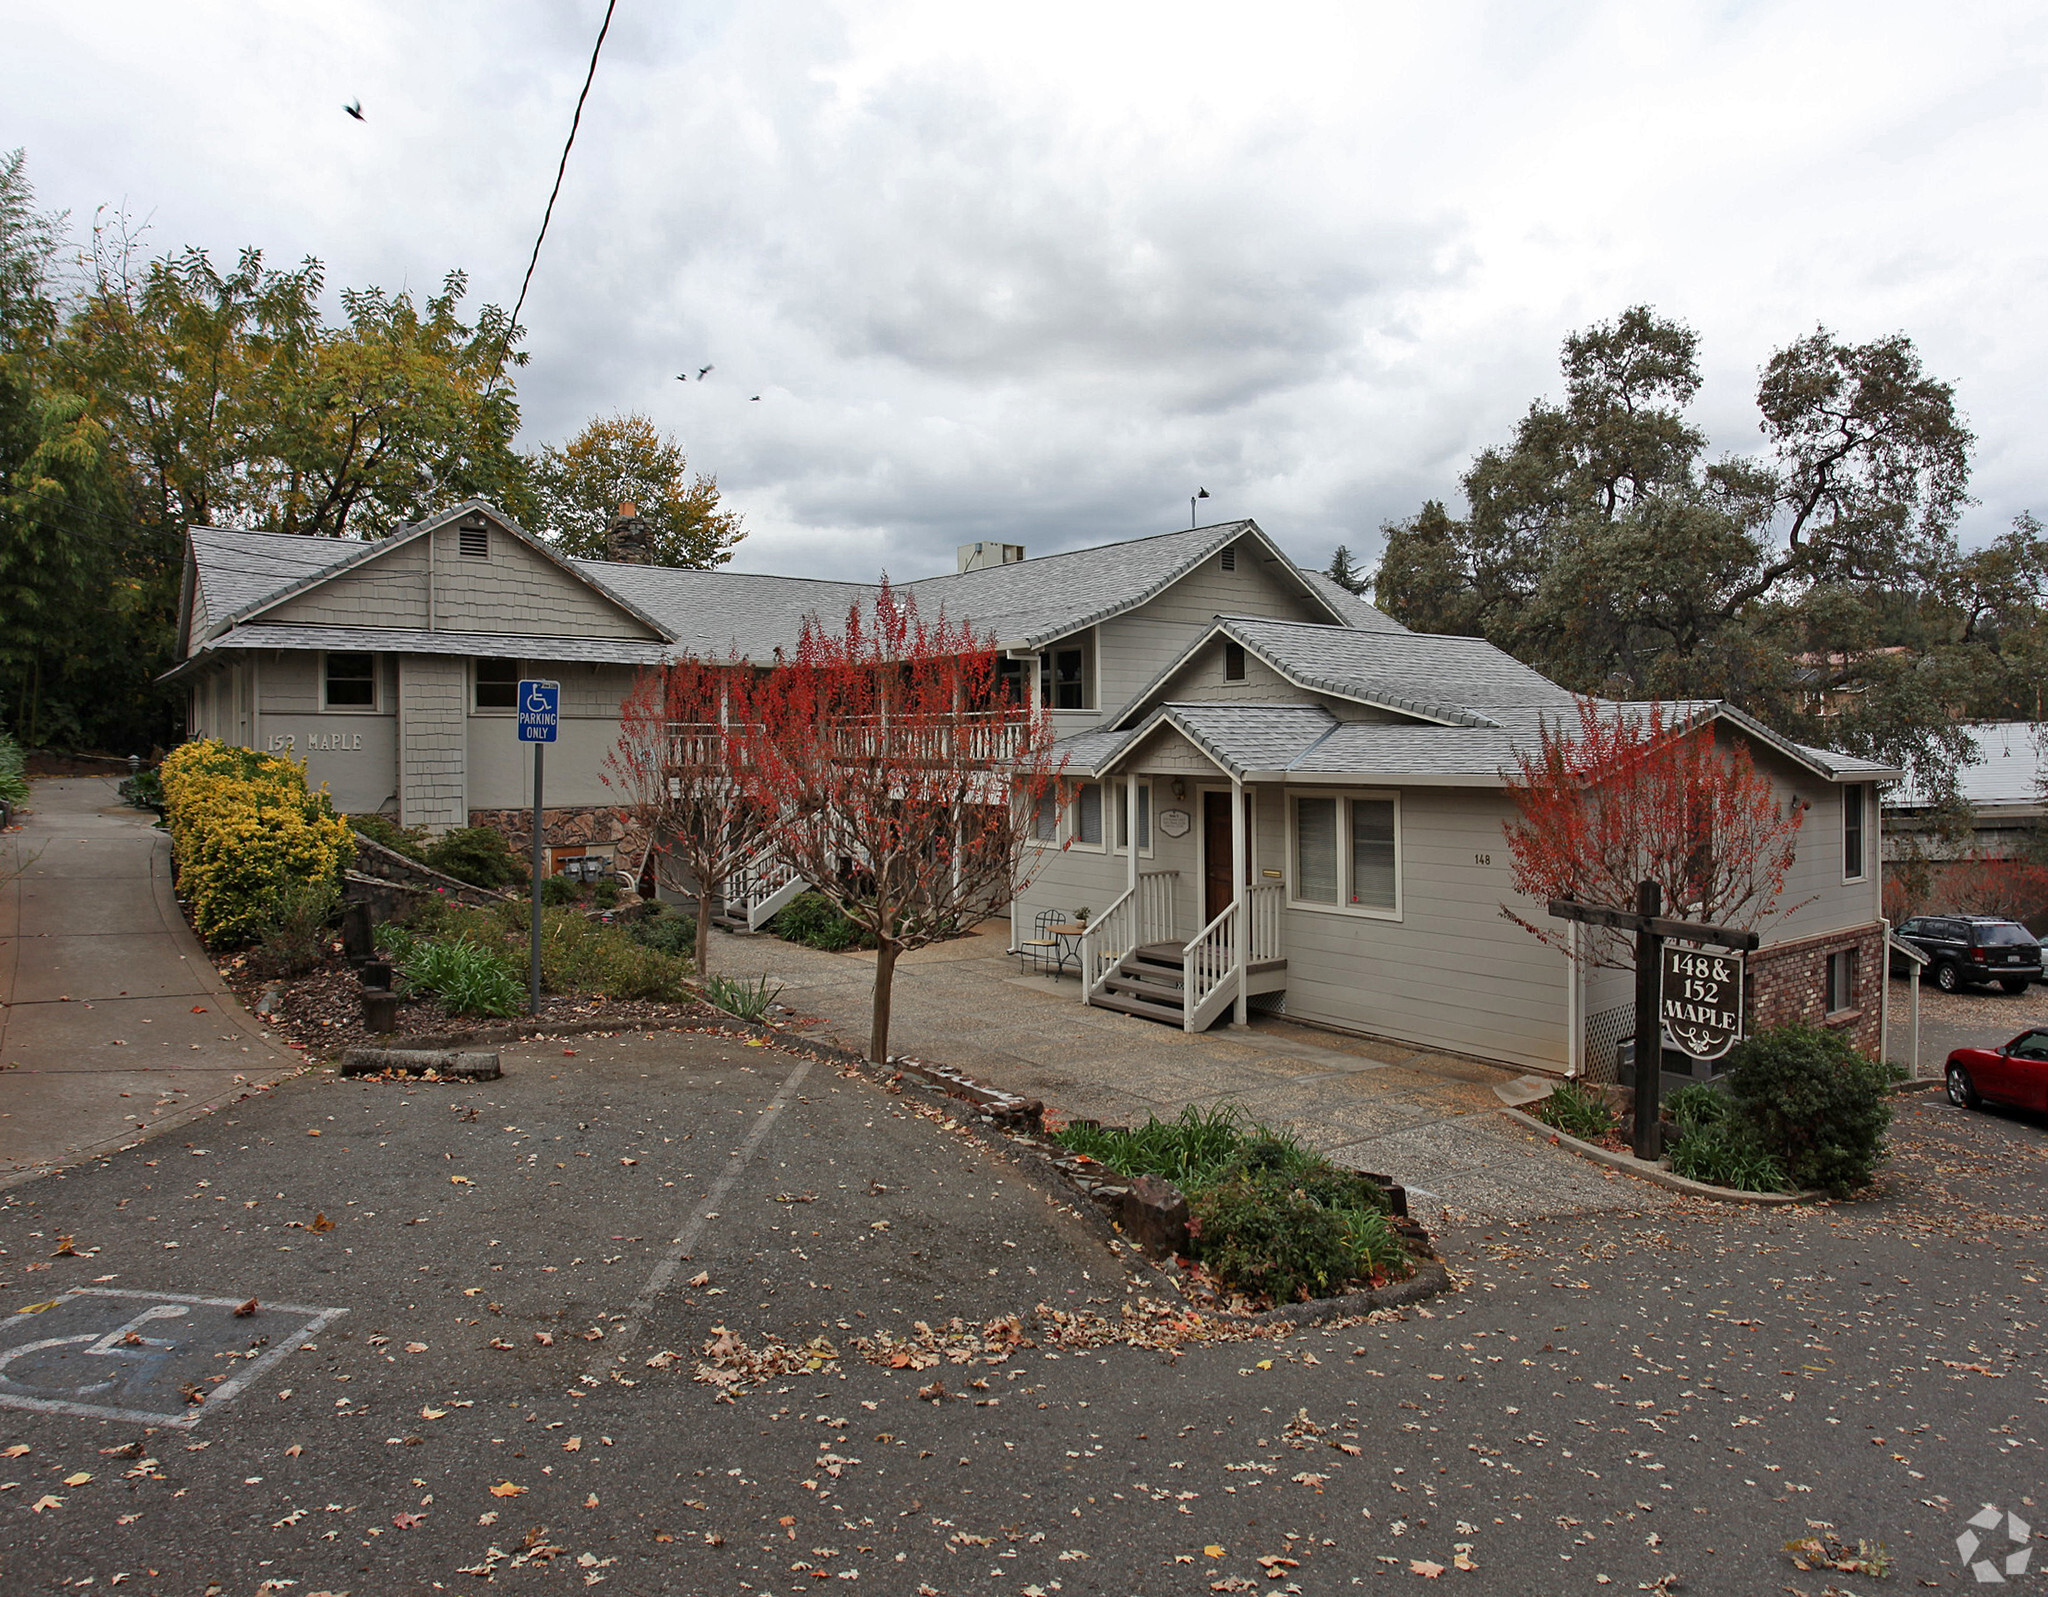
x: 505, y: 345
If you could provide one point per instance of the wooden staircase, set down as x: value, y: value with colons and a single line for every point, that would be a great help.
x: 1150, y: 981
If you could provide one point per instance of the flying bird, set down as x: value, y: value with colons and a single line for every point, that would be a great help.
x: 757, y: 396
x: 702, y: 371
x: 355, y: 109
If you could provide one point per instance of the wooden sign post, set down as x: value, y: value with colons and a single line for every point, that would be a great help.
x: 1651, y: 927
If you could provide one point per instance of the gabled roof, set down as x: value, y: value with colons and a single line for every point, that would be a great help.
x: 1305, y: 743
x: 235, y: 571
x: 1432, y: 676
x: 403, y: 640
x: 1354, y: 608
x: 310, y: 574
x: 716, y: 614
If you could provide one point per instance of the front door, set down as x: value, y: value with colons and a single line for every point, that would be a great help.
x: 1216, y: 852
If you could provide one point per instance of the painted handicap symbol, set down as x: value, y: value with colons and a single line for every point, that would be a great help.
x: 37, y: 1369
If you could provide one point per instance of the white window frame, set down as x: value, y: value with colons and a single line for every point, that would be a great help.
x: 1059, y: 818
x: 376, y: 704
x: 1863, y: 805
x: 1123, y: 815
x: 1341, y: 907
x: 1072, y: 816
x: 519, y: 669
x: 1849, y: 981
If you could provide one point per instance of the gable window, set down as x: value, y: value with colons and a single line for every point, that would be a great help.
x: 497, y: 684
x: 1841, y: 981
x: 1065, y: 684
x: 1123, y: 820
x: 1347, y: 853
x: 351, y: 682
x: 1233, y: 662
x: 1852, y: 832
x: 473, y: 542
x: 1088, y: 815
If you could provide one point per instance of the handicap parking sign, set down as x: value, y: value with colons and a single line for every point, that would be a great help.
x: 540, y: 705
x: 164, y: 1358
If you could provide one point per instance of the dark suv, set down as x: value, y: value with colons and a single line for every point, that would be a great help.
x: 1966, y: 950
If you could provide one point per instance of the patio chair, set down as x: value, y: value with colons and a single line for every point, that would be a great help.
x: 1041, y: 951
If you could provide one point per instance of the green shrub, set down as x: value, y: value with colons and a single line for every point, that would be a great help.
x: 469, y: 978
x: 674, y: 935
x: 144, y: 790
x: 1699, y: 1106
x: 556, y: 891
x: 292, y: 926
x: 814, y: 920
x: 626, y: 969
x: 411, y: 841
x: 605, y: 894
x: 13, y: 771
x: 476, y: 855
x: 577, y: 954
x: 1818, y: 1106
x: 1267, y: 1213
x: 1728, y: 1153
x: 747, y: 999
x: 1575, y: 1111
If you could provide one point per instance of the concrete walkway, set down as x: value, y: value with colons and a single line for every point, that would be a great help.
x: 112, y: 1018
x: 1428, y: 1119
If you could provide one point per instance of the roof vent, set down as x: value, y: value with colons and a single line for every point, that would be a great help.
x: 1229, y: 561
x: 974, y: 556
x: 473, y: 538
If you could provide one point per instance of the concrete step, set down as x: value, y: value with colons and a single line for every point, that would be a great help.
x: 1140, y: 1007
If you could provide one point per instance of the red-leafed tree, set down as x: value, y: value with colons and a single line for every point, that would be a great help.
x: 1626, y: 794
x: 682, y: 735
x: 892, y: 772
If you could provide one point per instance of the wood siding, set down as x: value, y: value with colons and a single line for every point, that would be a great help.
x: 433, y: 695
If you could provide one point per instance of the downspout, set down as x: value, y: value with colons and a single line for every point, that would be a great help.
x: 1574, y: 1004
x: 1884, y: 1003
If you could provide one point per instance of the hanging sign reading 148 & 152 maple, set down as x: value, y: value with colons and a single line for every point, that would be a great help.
x: 1702, y: 1000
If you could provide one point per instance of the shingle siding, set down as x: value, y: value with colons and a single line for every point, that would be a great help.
x: 433, y: 742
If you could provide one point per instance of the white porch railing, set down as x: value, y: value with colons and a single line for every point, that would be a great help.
x: 1141, y: 915
x: 1211, y: 958
x: 760, y: 887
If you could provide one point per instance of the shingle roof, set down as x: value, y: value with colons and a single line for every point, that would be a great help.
x: 1424, y: 673
x: 714, y: 614
x: 238, y: 569
x: 400, y: 640
x: 1353, y: 608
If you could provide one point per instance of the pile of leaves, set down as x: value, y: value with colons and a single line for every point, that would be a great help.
x: 1267, y: 1215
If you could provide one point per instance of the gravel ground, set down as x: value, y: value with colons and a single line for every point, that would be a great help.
x: 1972, y: 1018
x: 1647, y: 1400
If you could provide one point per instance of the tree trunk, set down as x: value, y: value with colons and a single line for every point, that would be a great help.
x: 885, y: 977
x: 703, y: 928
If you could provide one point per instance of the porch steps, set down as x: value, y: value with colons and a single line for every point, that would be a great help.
x: 1150, y: 983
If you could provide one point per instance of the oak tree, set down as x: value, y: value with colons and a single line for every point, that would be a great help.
x: 625, y: 459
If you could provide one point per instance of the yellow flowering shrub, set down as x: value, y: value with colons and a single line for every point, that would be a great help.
x: 245, y: 826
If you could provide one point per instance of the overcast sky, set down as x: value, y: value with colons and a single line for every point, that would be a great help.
x: 1037, y: 272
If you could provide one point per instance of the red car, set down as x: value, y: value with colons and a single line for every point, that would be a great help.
x: 2016, y: 1074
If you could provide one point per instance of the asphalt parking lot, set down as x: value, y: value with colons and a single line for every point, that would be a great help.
x: 1612, y: 1400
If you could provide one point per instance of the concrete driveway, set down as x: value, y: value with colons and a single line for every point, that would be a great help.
x: 1428, y: 1119
x: 112, y: 1018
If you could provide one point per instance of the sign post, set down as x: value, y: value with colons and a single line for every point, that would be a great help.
x: 1702, y: 1013
x: 540, y: 706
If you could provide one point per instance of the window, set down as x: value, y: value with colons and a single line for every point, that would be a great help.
x: 1233, y: 662
x: 1012, y: 685
x: 1841, y: 981
x: 474, y: 542
x: 1123, y: 820
x: 1045, y: 822
x: 1347, y: 854
x: 497, y: 684
x: 351, y: 681
x: 1852, y: 832
x: 1064, y: 685
x: 1088, y: 815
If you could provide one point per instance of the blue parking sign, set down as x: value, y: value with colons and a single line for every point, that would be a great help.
x: 540, y: 705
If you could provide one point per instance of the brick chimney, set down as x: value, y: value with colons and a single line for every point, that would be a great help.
x: 627, y: 540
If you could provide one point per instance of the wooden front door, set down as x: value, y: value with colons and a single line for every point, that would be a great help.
x: 1216, y: 893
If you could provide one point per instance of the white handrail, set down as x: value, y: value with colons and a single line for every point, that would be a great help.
x: 1138, y: 916
x: 1208, y: 959
x: 1263, y: 906
x: 1155, y: 906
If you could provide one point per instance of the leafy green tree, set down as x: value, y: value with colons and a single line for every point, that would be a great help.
x: 1817, y: 584
x: 1345, y: 573
x: 626, y: 459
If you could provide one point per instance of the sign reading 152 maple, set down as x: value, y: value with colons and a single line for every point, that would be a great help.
x: 1701, y: 1005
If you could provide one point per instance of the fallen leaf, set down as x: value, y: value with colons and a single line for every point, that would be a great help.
x: 246, y: 1309
x: 934, y: 1393
x: 408, y: 1521
x: 45, y: 1501
x: 544, y: 1339
x: 37, y: 1308
x: 573, y: 1445
x: 629, y: 1161
x: 460, y: 1181
x: 293, y: 1451
x: 1424, y: 1568
x: 64, y: 1249
x: 433, y: 1413
x: 701, y: 1278
x: 590, y: 1501
x: 313, y: 1133
x: 321, y: 1223
x: 1212, y: 1551
x: 1462, y: 1561
x: 415, y: 1347
x: 507, y: 1489
x: 78, y: 1479
x: 568, y: 1053
x: 18, y: 1450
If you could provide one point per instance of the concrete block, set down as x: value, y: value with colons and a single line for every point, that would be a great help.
x: 417, y: 1061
